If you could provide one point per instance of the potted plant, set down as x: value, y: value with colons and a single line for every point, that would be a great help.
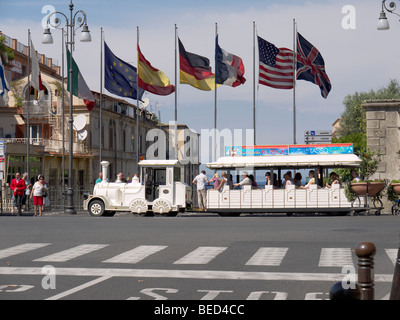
x: 393, y: 191
x: 369, y: 164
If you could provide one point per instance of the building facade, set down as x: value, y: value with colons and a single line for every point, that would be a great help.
x: 48, y: 145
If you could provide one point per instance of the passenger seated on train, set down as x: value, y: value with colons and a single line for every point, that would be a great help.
x: 311, y: 175
x: 297, y: 179
x: 245, y: 180
x: 287, y: 179
x: 253, y: 181
x: 334, y: 178
x: 355, y: 176
x: 269, y: 180
x: 223, y: 182
x: 120, y: 178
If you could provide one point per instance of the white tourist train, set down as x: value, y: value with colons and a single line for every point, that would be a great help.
x: 158, y: 190
x: 267, y: 199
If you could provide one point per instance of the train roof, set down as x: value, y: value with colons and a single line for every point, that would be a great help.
x: 287, y: 161
x: 159, y: 163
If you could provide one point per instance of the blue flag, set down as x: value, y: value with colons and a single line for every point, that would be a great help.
x: 4, y: 86
x: 120, y: 77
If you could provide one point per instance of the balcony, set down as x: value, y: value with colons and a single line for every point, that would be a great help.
x: 37, y: 110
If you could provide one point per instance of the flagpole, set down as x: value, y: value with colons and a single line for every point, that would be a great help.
x: 294, y: 80
x: 137, y: 103
x: 254, y: 82
x: 63, y: 116
x: 101, y: 96
x: 176, y: 98
x: 215, y: 96
x: 28, y: 135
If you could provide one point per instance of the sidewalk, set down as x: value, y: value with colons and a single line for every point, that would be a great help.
x: 46, y: 213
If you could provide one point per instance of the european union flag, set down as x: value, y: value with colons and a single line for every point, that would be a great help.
x: 119, y: 76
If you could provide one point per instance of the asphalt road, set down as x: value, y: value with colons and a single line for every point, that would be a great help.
x: 189, y: 257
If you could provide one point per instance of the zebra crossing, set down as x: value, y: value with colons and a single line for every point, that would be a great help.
x: 202, y: 255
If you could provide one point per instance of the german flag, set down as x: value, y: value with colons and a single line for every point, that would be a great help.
x: 195, y: 70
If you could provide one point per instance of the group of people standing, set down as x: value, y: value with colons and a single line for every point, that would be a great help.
x: 21, y: 191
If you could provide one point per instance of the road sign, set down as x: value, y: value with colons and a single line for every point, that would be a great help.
x: 317, y: 136
x: 318, y: 132
x: 318, y: 139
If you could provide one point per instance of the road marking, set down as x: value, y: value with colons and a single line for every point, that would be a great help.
x: 202, y: 255
x: 267, y: 257
x: 78, y: 288
x: 5, y: 253
x: 72, y: 253
x: 136, y: 255
x: 392, y: 254
x: 188, y: 274
x: 335, y: 257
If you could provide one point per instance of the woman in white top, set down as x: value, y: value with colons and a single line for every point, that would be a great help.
x: 289, y: 180
x: 38, y: 191
x: 334, y: 180
x: 223, y: 181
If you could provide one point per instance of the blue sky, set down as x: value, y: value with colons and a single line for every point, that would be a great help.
x: 359, y: 59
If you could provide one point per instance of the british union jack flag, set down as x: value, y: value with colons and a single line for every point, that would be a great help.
x: 311, y: 65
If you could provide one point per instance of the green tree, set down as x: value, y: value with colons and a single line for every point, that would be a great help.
x: 353, y: 124
x: 6, y: 53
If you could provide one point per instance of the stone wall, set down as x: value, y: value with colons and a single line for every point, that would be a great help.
x: 383, y: 135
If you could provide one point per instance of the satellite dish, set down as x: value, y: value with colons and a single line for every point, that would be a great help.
x: 79, y: 122
x: 145, y: 102
x: 81, y: 135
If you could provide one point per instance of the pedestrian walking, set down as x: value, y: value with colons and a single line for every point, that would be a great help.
x: 200, y: 181
x: 38, y: 193
x: 27, y: 190
x: 18, y: 187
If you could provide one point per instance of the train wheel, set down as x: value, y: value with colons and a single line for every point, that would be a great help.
x: 161, y: 206
x: 229, y: 214
x: 96, y: 208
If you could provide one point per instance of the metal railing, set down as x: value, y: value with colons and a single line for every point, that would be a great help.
x: 56, y: 195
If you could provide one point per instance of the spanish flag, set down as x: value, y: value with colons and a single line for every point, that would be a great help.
x: 195, y: 70
x: 152, y: 79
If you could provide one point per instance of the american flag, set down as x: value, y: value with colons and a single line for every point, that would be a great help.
x: 276, y: 65
x: 311, y: 65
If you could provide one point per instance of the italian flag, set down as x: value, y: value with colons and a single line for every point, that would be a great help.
x: 79, y: 86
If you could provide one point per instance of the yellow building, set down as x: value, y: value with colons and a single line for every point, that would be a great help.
x: 48, y: 129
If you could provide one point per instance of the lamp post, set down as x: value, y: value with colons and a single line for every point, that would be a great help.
x: 383, y: 23
x: 76, y: 21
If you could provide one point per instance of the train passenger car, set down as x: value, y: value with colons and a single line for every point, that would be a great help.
x: 267, y: 199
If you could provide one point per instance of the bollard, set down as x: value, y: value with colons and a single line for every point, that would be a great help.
x: 365, y: 252
x: 395, y: 292
x: 337, y: 292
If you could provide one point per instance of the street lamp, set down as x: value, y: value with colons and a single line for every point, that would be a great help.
x: 76, y: 21
x: 383, y: 23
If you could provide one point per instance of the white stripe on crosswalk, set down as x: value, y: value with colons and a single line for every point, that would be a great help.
x: 202, y: 255
x: 392, y: 254
x: 335, y: 257
x: 267, y: 257
x: 72, y: 253
x: 5, y: 253
x: 136, y: 255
